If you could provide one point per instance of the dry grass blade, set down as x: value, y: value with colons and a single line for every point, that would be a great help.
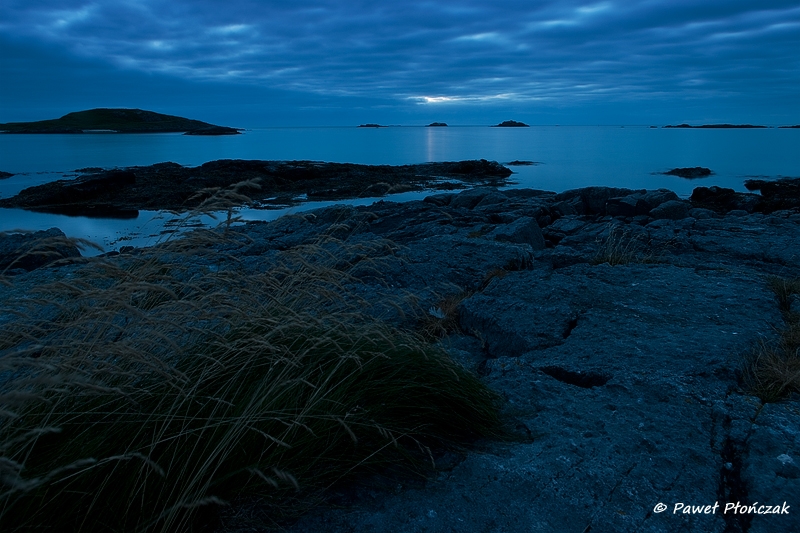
x: 151, y: 387
x: 772, y: 370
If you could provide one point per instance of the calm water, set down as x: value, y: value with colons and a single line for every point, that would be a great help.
x: 568, y: 157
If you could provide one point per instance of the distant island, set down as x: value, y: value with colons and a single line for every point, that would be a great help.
x: 796, y: 126
x: 511, y: 124
x: 716, y: 126
x: 437, y: 125
x: 118, y: 121
x: 370, y: 125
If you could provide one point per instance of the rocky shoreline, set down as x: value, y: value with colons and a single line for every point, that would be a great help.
x: 613, y: 322
x: 120, y: 193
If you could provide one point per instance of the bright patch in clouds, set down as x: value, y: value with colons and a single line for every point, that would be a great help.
x: 471, y: 52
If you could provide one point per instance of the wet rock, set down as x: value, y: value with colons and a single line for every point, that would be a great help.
x: 776, y: 195
x: 523, y: 231
x: 672, y: 210
x: 29, y: 251
x: 722, y: 200
x: 594, y: 199
x: 174, y: 187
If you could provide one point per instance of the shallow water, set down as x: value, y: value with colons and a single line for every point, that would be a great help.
x: 569, y: 157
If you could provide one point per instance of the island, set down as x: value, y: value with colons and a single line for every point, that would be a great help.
x: 4, y: 175
x: 717, y: 126
x: 437, y: 125
x: 511, y: 124
x: 796, y: 126
x: 371, y: 125
x: 103, y: 120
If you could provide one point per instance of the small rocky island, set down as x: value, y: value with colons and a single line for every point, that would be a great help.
x: 437, y: 125
x: 511, y: 124
x: 690, y: 172
x: 104, y: 120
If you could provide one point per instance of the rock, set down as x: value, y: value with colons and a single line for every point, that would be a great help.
x: 523, y: 231
x: 722, y: 200
x: 174, y: 187
x: 439, y: 199
x: 623, y: 207
x: 594, y: 199
x: 518, y: 163
x: 776, y: 195
x: 620, y: 385
x: 653, y: 199
x: 672, y: 210
x: 491, y: 200
x: 700, y: 213
x: 470, y: 198
x: 29, y: 251
x: 564, y: 209
x: 4, y: 175
x: 690, y: 173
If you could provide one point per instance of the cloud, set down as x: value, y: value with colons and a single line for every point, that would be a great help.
x: 472, y: 51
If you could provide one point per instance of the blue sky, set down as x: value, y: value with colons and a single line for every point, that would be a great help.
x: 253, y: 63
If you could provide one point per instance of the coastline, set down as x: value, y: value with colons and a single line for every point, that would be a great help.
x: 616, y: 338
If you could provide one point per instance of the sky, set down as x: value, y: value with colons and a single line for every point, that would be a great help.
x: 262, y: 63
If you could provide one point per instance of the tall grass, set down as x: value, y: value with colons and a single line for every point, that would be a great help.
x: 621, y: 246
x: 138, y: 391
x: 771, y: 370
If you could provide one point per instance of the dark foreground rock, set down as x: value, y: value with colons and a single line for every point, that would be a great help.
x: 120, y: 193
x: 616, y: 342
x: 23, y: 252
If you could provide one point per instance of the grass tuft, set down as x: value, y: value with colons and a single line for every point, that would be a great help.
x: 139, y: 392
x: 622, y: 247
x: 772, y: 370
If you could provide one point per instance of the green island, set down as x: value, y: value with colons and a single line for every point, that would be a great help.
x: 118, y: 121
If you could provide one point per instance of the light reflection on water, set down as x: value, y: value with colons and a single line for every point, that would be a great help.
x: 571, y: 157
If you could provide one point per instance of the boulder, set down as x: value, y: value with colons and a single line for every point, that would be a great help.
x: 594, y: 199
x: 470, y: 198
x: 722, y: 199
x: 672, y: 210
x: 29, y: 251
x: 523, y: 231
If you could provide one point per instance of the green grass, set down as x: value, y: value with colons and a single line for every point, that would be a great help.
x: 140, y: 393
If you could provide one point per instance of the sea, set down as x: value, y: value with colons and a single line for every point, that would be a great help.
x: 563, y: 157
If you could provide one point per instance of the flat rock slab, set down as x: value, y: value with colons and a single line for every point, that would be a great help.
x: 634, y: 404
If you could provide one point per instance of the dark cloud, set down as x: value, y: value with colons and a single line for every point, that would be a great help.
x: 437, y: 54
